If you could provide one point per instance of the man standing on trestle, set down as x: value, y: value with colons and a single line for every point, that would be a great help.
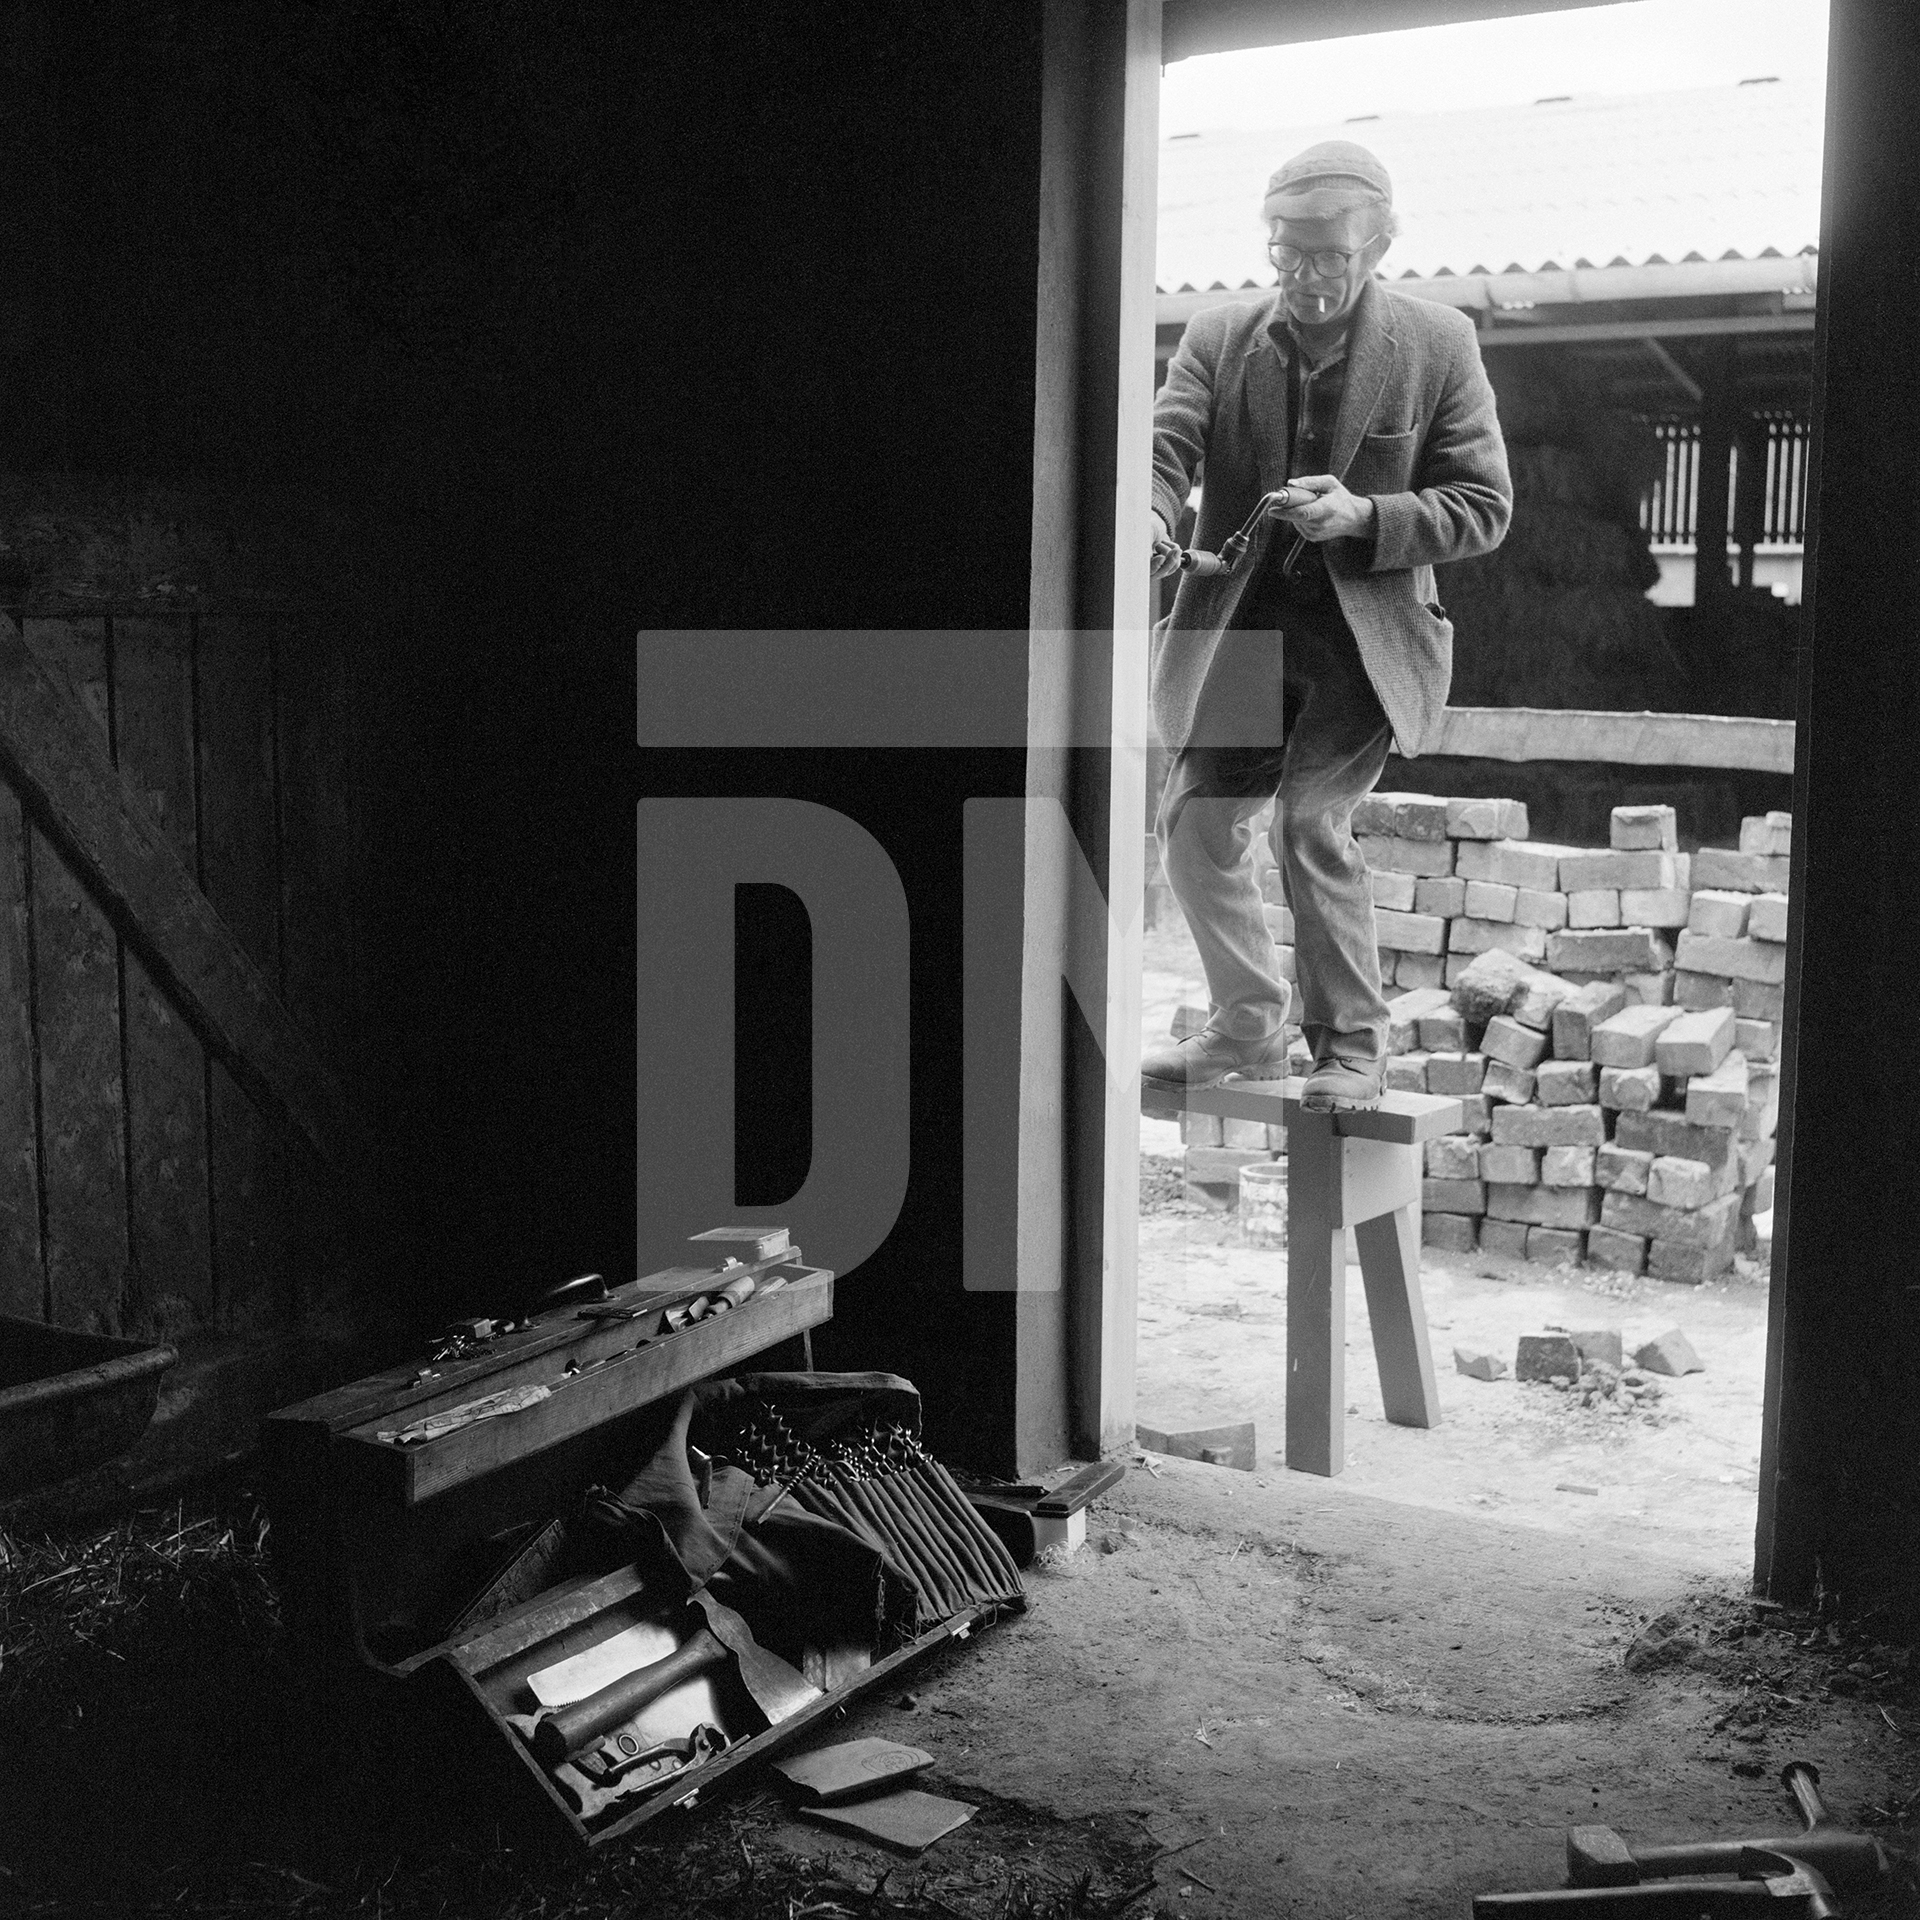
x: 1295, y: 673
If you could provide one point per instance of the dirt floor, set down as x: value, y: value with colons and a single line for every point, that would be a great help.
x: 1676, y: 1474
x: 1247, y: 1695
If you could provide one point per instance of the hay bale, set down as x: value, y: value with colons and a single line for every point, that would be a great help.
x: 1519, y: 642
x: 1561, y: 546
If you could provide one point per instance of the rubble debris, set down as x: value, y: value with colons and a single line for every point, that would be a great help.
x: 1477, y: 1365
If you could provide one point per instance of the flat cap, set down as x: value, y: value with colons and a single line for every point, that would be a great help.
x: 1322, y: 179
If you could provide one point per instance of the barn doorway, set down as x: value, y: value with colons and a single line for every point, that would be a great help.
x: 1654, y: 378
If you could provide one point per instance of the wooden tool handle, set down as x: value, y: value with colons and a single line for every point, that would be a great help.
x: 562, y: 1733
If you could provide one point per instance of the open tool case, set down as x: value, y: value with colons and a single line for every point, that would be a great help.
x: 626, y: 1566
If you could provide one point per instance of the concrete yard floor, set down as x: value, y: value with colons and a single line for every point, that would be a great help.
x: 1679, y: 1478
x: 1322, y: 1703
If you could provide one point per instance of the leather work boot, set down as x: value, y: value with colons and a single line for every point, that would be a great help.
x: 1205, y: 1058
x: 1335, y: 1084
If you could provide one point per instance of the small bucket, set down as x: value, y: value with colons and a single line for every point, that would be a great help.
x: 1263, y: 1203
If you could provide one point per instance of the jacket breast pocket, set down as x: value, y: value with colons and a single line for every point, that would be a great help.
x: 1386, y: 459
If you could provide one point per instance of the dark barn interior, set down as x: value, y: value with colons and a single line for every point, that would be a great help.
x: 374, y: 372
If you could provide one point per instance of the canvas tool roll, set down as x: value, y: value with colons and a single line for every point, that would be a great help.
x: 807, y: 1502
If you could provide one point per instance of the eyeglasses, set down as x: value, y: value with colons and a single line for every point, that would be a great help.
x: 1329, y: 263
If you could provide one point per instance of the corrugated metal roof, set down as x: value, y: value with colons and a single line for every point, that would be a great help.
x: 1598, y: 180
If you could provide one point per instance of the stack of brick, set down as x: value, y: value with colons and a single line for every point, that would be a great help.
x: 1608, y: 1018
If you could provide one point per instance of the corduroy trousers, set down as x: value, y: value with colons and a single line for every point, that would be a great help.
x: 1290, y: 719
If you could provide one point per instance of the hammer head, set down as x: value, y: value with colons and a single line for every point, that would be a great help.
x: 1598, y: 1857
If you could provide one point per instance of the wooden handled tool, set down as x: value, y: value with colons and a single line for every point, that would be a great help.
x: 560, y: 1734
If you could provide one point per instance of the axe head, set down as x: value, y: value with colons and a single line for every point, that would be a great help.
x: 778, y: 1689
x: 1598, y: 1857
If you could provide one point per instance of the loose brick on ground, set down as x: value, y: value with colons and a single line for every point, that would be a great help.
x: 1453, y: 1157
x: 1202, y: 1129
x: 1518, y: 1126
x: 1566, y: 1083
x: 1476, y: 1113
x: 1630, y: 1089
x: 1644, y: 827
x: 1509, y: 1083
x: 1628, y: 1038
x: 1624, y: 1252
x: 1550, y: 1246
x: 1511, y: 1166
x: 1451, y: 1232
x: 1546, y: 1356
x: 1719, y: 1098
x: 1453, y: 1196
x: 1445, y: 897
x: 1759, y: 1196
x: 1544, y: 1206
x: 1662, y: 907
x: 1506, y: 1237
x: 1409, y: 932
x: 1575, y: 1018
x: 1620, y: 1169
x: 1477, y: 1365
x: 1679, y: 1183
x: 1487, y: 900
x: 1567, y: 1166
x: 1608, y: 950
x: 1443, y: 1031
x: 1717, y: 868
x: 1695, y: 1043
x: 1768, y: 920
x: 1669, y: 1353
x: 1597, y: 1345
x: 1373, y: 814
x: 1394, y: 891
x: 1456, y: 1073
x: 1421, y: 970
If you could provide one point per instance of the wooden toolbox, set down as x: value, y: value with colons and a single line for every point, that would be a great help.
x: 420, y: 1518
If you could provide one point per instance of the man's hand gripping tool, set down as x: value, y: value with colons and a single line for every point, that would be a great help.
x: 1609, y: 1878
x: 1233, y: 549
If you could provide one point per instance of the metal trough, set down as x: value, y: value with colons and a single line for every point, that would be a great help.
x: 70, y: 1401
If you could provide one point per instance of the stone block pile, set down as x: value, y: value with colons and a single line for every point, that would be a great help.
x: 1608, y: 1018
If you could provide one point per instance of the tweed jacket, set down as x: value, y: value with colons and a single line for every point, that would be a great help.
x: 1416, y: 431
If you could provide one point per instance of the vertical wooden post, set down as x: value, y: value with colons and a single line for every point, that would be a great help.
x: 1087, y: 716
x: 1718, y: 410
x: 1749, y: 491
x: 1316, y: 1297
